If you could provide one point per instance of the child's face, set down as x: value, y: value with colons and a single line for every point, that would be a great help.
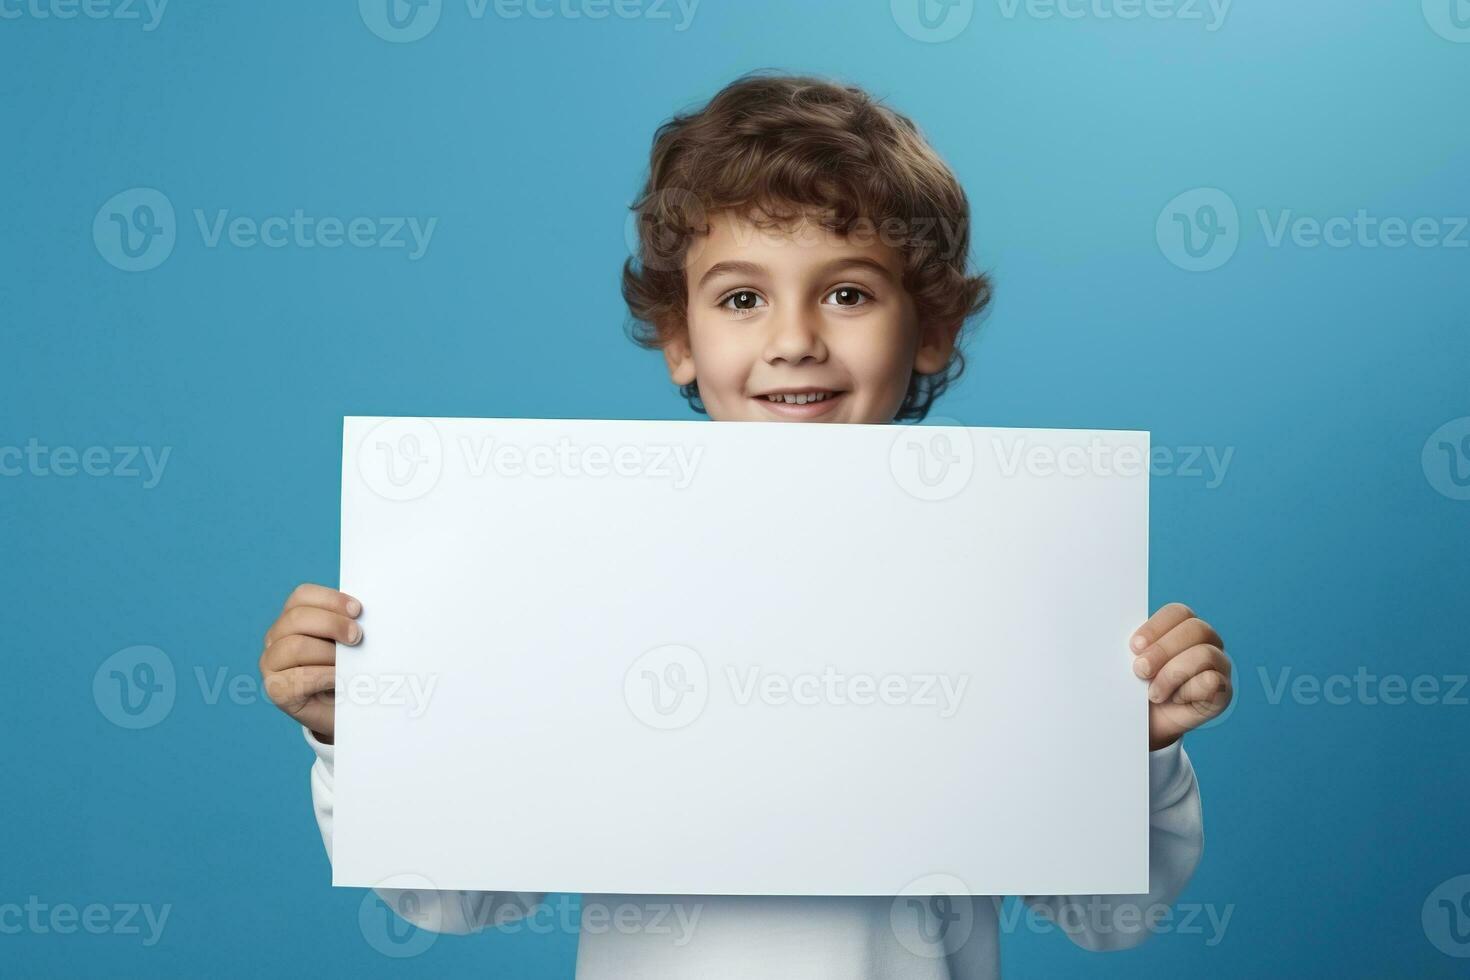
x: 801, y: 313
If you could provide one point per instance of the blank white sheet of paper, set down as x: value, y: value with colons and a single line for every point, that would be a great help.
x: 710, y: 658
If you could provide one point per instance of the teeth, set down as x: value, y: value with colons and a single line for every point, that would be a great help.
x: 803, y: 398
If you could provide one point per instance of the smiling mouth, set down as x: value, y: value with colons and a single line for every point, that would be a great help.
x: 800, y: 403
x: 800, y: 397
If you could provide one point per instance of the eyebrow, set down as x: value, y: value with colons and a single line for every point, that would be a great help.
x: 735, y: 267
x: 731, y: 268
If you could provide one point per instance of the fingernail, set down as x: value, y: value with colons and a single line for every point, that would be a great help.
x: 1137, y: 642
x: 1154, y: 695
x: 354, y: 634
x: 1140, y: 666
x: 354, y: 608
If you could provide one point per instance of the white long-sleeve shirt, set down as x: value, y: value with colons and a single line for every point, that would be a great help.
x: 750, y: 938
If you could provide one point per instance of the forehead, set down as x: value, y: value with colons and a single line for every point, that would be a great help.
x: 792, y: 247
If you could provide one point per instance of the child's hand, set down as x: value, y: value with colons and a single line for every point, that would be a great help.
x: 298, y: 666
x: 1190, y: 673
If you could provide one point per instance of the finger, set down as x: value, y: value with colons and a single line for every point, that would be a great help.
x: 1158, y: 624
x: 292, y: 689
x: 1195, y: 660
x: 323, y: 597
x: 1191, y: 632
x: 319, y: 714
x: 314, y: 621
x: 297, y: 650
x: 1206, y: 687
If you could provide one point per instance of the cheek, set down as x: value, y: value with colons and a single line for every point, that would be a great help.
x: 721, y: 357
x: 882, y: 358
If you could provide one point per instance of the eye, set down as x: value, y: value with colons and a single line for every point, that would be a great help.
x: 848, y: 296
x: 742, y: 301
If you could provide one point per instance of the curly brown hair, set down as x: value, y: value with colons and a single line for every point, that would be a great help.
x: 778, y: 147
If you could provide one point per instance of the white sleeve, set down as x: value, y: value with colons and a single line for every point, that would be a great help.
x: 1176, y: 840
x: 457, y: 912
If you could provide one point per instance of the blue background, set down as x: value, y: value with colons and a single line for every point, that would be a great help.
x: 1326, y: 547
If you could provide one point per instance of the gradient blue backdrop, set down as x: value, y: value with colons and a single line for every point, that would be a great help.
x: 1326, y: 547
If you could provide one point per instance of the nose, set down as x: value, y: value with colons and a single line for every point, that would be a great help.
x: 795, y: 338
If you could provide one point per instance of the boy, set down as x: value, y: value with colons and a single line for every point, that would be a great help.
x: 803, y: 259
